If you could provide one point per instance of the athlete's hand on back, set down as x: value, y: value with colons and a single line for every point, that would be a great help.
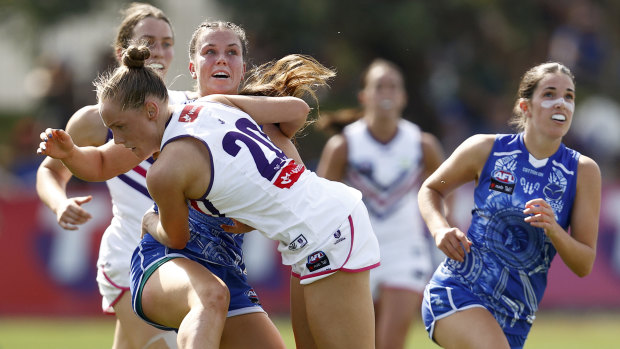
x: 55, y: 143
x: 237, y: 228
x: 149, y: 222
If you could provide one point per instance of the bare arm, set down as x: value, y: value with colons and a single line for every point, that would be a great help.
x: 333, y: 162
x: 290, y: 113
x: 433, y: 153
x: 283, y: 142
x: 53, y: 176
x: 89, y: 163
x: 577, y: 250
x: 182, y: 171
x: 51, y: 185
x: 433, y: 157
x: 463, y: 166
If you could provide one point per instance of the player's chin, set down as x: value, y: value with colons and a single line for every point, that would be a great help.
x: 136, y: 151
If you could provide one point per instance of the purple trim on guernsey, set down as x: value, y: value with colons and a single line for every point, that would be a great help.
x: 211, y: 210
x: 204, y: 196
x: 130, y: 182
x: 137, y: 186
x: 398, y: 132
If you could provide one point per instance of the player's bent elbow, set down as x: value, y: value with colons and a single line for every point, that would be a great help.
x: 583, y: 273
x: 299, y: 107
x: 177, y: 243
x: 583, y: 269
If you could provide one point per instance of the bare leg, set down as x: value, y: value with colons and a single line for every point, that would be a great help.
x: 133, y: 332
x: 254, y: 330
x: 299, y: 319
x: 396, y: 311
x: 184, y: 294
x: 340, y: 311
x: 473, y: 328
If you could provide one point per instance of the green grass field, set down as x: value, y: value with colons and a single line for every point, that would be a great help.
x: 552, y: 330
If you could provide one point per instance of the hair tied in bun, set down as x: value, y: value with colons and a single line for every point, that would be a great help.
x: 135, y: 56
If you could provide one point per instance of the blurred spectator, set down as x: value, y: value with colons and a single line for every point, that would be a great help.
x: 19, y: 155
x: 51, y: 83
x: 596, y: 129
x: 8, y: 180
x: 580, y: 42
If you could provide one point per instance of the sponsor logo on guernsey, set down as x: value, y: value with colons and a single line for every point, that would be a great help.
x: 190, y: 113
x: 289, y: 175
x: 555, y: 189
x: 317, y: 260
x: 338, y: 237
x: 533, y: 172
x: 298, y: 243
x: 502, y: 181
x: 252, y: 296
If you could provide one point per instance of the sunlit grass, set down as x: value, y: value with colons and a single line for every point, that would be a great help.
x: 561, y: 330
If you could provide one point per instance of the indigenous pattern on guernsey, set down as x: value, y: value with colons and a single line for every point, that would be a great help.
x: 210, y: 243
x: 509, y: 260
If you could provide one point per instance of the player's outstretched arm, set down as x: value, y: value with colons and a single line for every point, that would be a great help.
x: 94, y: 164
x: 290, y: 113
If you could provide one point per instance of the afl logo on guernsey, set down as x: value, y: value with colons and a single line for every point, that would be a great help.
x: 317, y: 260
x: 189, y: 113
x: 502, y: 181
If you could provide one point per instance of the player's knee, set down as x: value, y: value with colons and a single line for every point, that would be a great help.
x: 216, y: 297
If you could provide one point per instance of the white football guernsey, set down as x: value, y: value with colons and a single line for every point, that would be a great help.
x: 254, y: 182
x: 389, y: 176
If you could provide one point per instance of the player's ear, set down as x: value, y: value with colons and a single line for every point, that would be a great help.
x: 361, y: 97
x: 119, y: 54
x: 523, y: 105
x: 192, y: 70
x: 152, y: 109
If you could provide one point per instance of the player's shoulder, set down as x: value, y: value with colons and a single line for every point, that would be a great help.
x: 480, y: 141
x: 337, y: 143
x: 355, y: 127
x: 86, y: 127
x: 588, y: 167
x: 86, y: 114
x: 475, y: 150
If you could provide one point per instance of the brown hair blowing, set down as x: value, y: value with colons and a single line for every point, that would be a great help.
x: 293, y: 75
